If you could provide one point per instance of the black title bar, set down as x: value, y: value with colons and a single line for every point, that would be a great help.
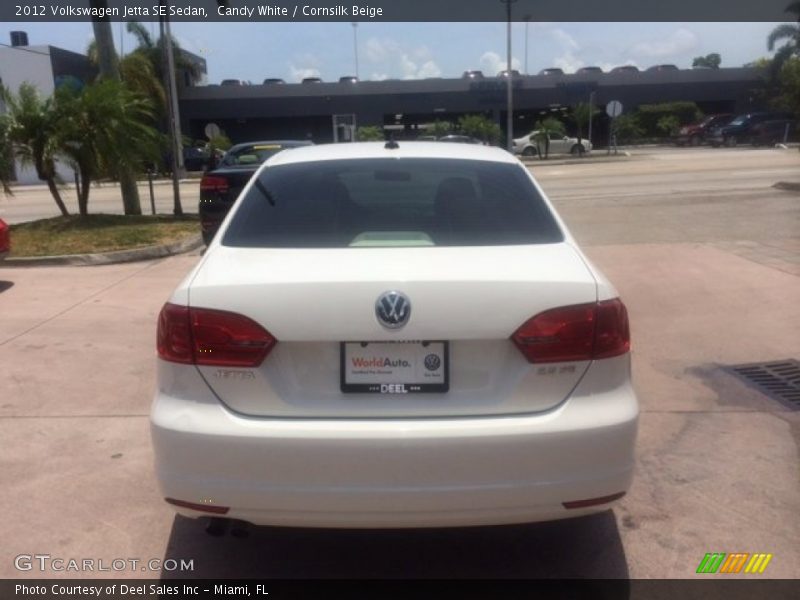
x: 396, y: 10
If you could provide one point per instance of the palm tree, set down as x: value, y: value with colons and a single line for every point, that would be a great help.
x: 105, y: 128
x: 140, y: 71
x: 542, y: 136
x: 29, y: 133
x: 582, y: 112
x: 153, y: 51
x: 789, y: 32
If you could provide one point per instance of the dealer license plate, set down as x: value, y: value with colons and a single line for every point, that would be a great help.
x: 394, y: 367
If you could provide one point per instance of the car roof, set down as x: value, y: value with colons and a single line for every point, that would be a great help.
x: 366, y: 150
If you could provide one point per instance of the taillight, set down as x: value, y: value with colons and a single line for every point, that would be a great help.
x: 209, y: 337
x: 174, y: 337
x: 5, y: 237
x: 612, y: 335
x: 227, y: 339
x: 213, y: 183
x: 578, y: 332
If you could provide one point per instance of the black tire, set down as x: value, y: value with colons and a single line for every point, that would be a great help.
x: 577, y: 150
x: 731, y: 141
x: 529, y: 151
x: 694, y: 141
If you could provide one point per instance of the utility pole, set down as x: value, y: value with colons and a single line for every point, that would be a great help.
x: 509, y: 78
x: 591, y: 112
x: 109, y: 69
x: 174, y: 119
x: 355, y: 45
x: 527, y: 19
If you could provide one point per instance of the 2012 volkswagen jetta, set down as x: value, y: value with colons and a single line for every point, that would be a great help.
x: 393, y: 335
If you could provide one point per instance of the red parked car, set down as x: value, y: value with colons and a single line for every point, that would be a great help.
x: 5, y: 239
x: 695, y: 134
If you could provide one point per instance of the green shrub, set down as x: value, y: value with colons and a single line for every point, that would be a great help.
x: 649, y: 116
x: 370, y: 133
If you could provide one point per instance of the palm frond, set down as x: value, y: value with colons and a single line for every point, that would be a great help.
x: 141, y: 34
x: 783, y: 31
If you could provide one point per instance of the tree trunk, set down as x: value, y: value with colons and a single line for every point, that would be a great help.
x: 174, y: 123
x: 51, y: 185
x: 130, y: 193
x: 109, y: 69
x: 83, y: 193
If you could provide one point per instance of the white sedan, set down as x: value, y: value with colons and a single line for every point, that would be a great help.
x: 558, y: 144
x: 393, y: 335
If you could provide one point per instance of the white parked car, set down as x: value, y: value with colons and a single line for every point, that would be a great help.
x: 393, y: 335
x: 559, y: 144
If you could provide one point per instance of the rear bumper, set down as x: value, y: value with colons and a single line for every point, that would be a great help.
x: 396, y: 472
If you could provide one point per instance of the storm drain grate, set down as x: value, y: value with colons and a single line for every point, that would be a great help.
x: 778, y: 379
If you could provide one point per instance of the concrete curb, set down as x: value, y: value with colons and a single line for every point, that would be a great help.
x: 790, y: 186
x: 106, y: 258
x: 530, y: 162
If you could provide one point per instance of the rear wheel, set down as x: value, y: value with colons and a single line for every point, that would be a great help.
x: 529, y: 151
x: 577, y: 150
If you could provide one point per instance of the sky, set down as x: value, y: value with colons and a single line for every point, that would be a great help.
x: 291, y: 51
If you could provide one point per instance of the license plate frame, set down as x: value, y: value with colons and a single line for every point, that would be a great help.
x: 391, y: 385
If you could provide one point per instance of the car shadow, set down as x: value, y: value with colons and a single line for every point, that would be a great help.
x: 584, y: 547
x: 5, y: 285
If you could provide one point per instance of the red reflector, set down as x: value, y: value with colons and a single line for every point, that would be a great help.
x: 209, y: 508
x: 209, y: 337
x: 208, y: 225
x: 578, y: 332
x: 593, y: 501
x: 213, y: 183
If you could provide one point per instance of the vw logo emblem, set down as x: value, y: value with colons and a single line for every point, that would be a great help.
x: 432, y: 362
x: 392, y: 309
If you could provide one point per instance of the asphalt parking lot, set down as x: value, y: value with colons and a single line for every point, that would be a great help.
x: 705, y: 253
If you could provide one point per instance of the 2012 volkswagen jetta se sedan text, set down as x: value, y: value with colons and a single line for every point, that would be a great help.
x: 393, y: 335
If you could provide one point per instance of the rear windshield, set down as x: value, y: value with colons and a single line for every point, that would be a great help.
x: 392, y: 202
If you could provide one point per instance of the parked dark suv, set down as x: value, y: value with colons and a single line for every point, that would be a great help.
x: 220, y: 187
x: 740, y: 130
x: 769, y: 133
x: 695, y: 134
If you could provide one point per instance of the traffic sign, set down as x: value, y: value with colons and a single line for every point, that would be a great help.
x: 614, y: 109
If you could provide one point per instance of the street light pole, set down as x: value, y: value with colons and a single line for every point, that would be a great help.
x: 355, y: 45
x: 527, y: 19
x: 509, y: 87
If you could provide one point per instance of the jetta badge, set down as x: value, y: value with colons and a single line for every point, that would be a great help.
x: 392, y: 309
